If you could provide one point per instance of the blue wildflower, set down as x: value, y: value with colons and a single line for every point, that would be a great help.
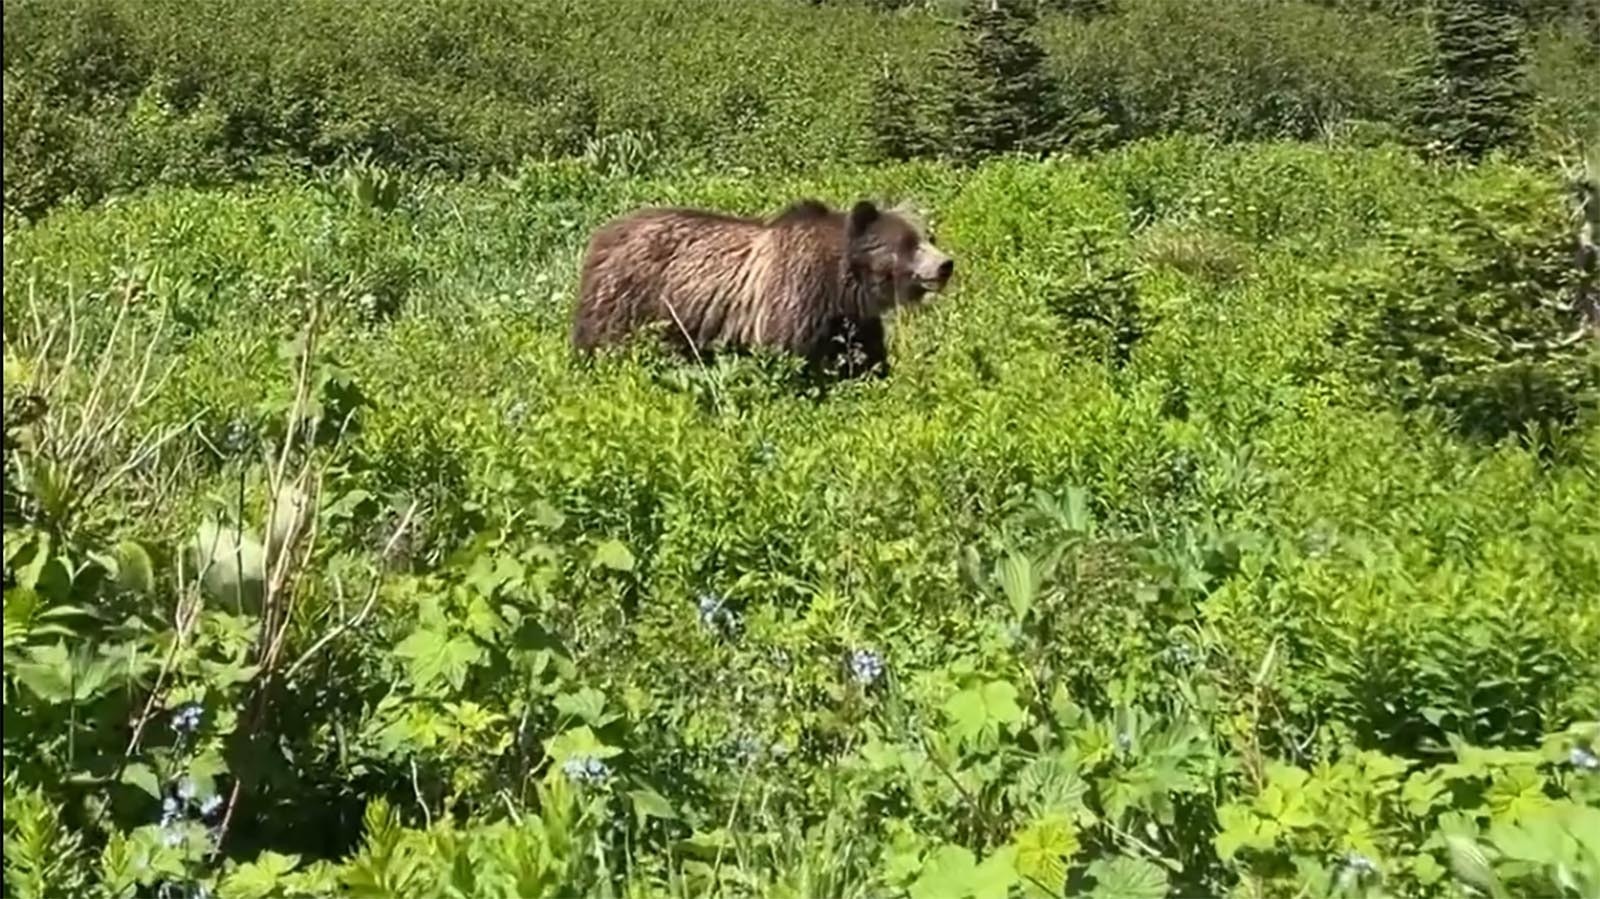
x: 747, y: 750
x: 169, y: 811
x: 715, y: 614
x: 186, y: 718
x: 1583, y: 759
x: 866, y: 666
x: 237, y: 438
x: 1356, y: 868
x: 710, y: 608
x: 1358, y: 862
x: 585, y: 769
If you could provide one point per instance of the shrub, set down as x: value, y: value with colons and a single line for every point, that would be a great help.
x: 1473, y: 95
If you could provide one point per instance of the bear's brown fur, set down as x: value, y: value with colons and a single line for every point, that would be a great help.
x: 810, y: 280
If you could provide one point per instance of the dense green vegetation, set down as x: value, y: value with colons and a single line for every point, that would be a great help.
x: 1229, y: 529
x: 106, y: 95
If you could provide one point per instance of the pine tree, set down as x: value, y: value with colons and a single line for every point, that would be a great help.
x: 1472, y: 95
x: 998, y: 95
x: 898, y: 125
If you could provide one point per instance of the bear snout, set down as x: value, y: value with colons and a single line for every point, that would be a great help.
x: 934, y: 270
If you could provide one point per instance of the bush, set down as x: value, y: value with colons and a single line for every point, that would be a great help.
x: 1472, y: 95
x: 1127, y: 582
x: 1487, y: 325
x: 104, y: 96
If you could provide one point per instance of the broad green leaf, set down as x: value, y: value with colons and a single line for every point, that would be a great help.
x: 948, y: 873
x: 996, y: 875
x: 1051, y: 786
x: 1421, y: 791
x: 203, y: 770
x: 1470, y: 863
x: 1287, y: 805
x: 1239, y: 829
x: 431, y: 656
x: 579, y: 741
x: 1427, y: 869
x: 547, y: 516
x: 483, y: 621
x: 1127, y: 878
x: 48, y: 673
x: 139, y: 774
x: 119, y: 865
x: 587, y: 703
x: 135, y: 573
x: 258, y: 879
x: 612, y: 554
x: 232, y: 565
x: 491, y: 573
x: 1517, y: 794
x: 1044, y: 849
x: 981, y: 710
x: 1537, y: 841
x: 1019, y: 578
x: 1583, y: 823
x: 647, y: 803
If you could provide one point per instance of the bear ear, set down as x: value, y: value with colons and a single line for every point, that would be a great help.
x: 862, y: 215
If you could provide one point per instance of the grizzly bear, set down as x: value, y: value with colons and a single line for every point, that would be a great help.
x: 810, y: 280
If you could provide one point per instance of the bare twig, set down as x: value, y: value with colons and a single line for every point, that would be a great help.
x: 366, y: 607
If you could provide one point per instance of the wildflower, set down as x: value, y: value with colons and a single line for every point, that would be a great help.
x: 866, y: 666
x: 237, y: 437
x: 585, y: 769
x: 1124, y: 741
x: 517, y: 412
x: 710, y: 609
x: 186, y: 718
x: 1583, y: 759
x: 747, y: 750
x: 1183, y: 653
x: 1357, y: 867
x: 209, y: 805
x: 1358, y: 862
x: 186, y: 789
x: 715, y: 615
x: 169, y: 811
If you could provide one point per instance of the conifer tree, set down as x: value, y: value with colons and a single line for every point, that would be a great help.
x: 1472, y: 94
x: 896, y: 118
x: 998, y: 95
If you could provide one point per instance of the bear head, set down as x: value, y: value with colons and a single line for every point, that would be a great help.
x: 895, y: 256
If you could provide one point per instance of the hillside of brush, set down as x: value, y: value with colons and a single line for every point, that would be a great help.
x: 1228, y: 528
